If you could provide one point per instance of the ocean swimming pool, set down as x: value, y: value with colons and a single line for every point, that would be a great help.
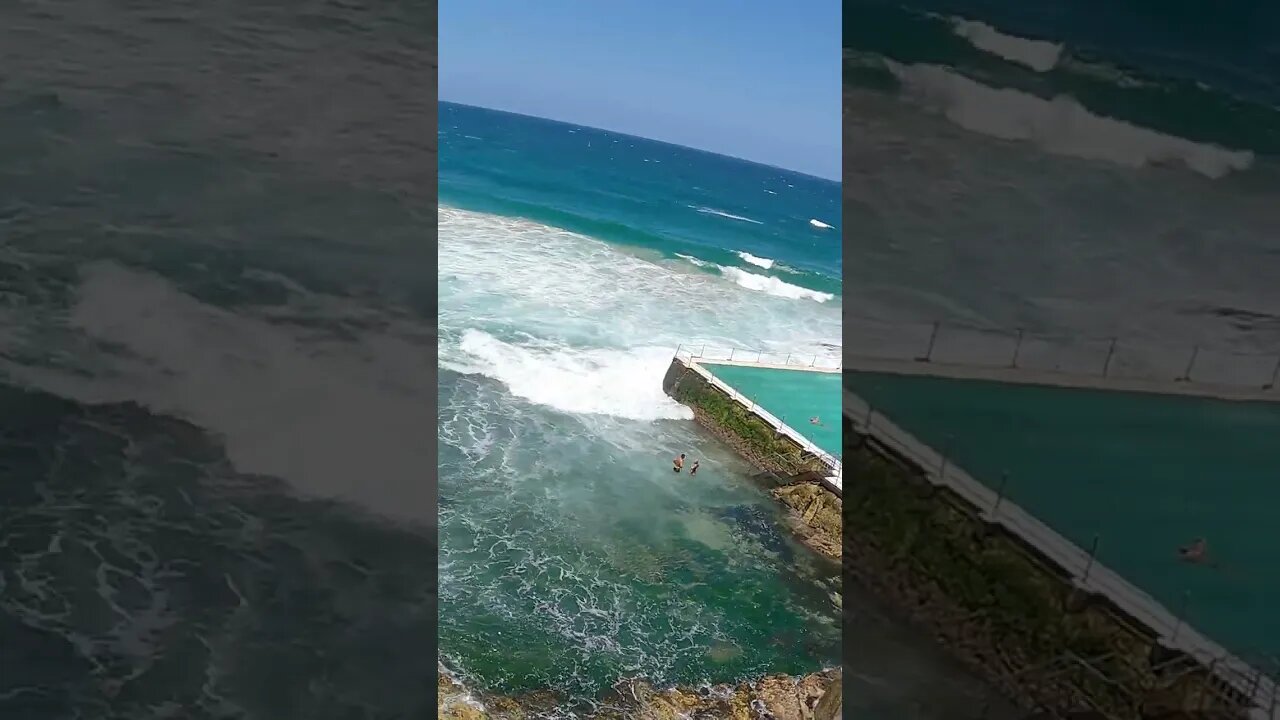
x: 1142, y: 473
x: 793, y: 396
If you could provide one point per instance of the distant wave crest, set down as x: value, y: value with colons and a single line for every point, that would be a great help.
x: 773, y: 286
x: 1039, y: 55
x: 1061, y: 125
x: 819, y: 224
x: 763, y: 262
x: 694, y: 260
x: 723, y: 214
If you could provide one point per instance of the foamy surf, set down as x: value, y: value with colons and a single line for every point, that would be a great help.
x: 693, y: 260
x: 1039, y: 55
x: 619, y: 383
x: 723, y: 214
x: 819, y: 224
x: 756, y: 260
x: 553, y: 293
x: 263, y: 386
x: 773, y: 286
x: 1061, y: 126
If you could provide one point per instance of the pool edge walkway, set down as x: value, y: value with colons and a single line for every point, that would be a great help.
x: 1051, y: 378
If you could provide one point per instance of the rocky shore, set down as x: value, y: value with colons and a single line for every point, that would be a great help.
x: 773, y: 697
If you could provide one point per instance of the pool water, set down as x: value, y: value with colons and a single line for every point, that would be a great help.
x: 1143, y: 473
x: 793, y: 396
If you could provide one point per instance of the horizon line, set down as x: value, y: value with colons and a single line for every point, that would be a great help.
x: 558, y: 121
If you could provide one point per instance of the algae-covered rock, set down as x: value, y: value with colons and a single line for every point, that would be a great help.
x: 777, y: 697
x: 817, y: 519
x: 780, y: 697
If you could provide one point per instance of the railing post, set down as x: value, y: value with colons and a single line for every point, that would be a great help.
x: 1275, y: 375
x: 867, y: 425
x: 1004, y: 481
x: 1017, y: 349
x: 1093, y: 554
x: 1111, y: 352
x: 933, y: 338
x: 1186, y: 374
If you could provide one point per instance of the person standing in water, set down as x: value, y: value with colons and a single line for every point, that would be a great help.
x: 678, y: 464
x: 693, y: 470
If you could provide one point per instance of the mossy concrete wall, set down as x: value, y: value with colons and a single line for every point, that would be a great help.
x: 733, y: 422
x: 1005, y: 610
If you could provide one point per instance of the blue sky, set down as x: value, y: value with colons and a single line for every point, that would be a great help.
x: 756, y: 80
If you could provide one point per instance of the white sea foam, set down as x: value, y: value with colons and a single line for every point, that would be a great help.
x: 1061, y: 125
x: 763, y: 262
x: 1039, y: 55
x: 723, y: 214
x: 819, y: 224
x: 773, y: 286
x: 579, y: 381
x: 503, y: 276
x: 694, y: 260
x: 267, y: 390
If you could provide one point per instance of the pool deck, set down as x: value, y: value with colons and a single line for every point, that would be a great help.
x: 1086, y: 573
x: 1051, y: 378
x: 833, y: 479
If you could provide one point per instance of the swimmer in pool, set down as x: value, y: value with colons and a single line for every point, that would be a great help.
x: 1197, y: 552
x: 694, y: 469
x: 678, y: 464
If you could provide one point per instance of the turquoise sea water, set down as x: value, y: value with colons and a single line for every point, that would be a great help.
x: 573, y: 262
x: 792, y: 396
x: 1143, y: 473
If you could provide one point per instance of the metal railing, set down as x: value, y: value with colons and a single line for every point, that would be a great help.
x: 778, y: 424
x: 958, y: 343
x: 709, y: 353
x: 1254, y: 675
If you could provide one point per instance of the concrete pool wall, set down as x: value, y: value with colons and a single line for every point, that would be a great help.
x: 690, y: 370
x: 1128, y: 610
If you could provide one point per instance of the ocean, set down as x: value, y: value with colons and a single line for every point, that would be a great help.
x: 1037, y: 168
x: 1076, y: 172
x: 216, y: 227
x: 573, y: 263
